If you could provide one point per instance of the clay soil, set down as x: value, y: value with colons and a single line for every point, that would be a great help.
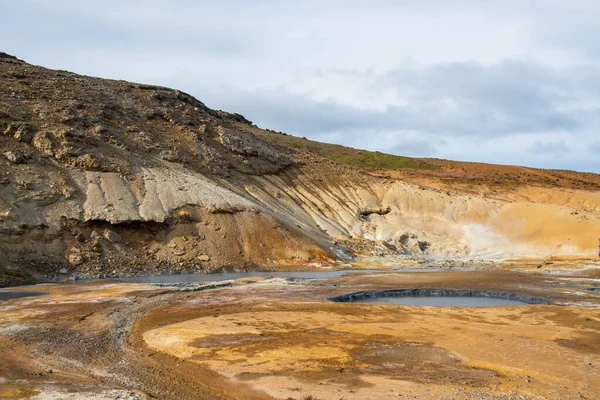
x: 264, y: 338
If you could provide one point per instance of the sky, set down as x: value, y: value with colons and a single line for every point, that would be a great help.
x: 506, y: 81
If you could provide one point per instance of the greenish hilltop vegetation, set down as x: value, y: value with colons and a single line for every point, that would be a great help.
x: 347, y: 155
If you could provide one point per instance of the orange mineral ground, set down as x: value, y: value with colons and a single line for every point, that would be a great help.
x: 279, y: 338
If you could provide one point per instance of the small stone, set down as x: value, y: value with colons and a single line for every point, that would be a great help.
x: 13, y: 157
x: 112, y: 236
x: 22, y: 132
x: 204, y: 257
x: 75, y: 259
x: 63, y: 271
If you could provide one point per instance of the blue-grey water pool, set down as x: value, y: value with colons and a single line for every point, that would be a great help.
x: 223, y: 276
x: 15, y: 294
x: 443, y: 301
x: 439, y: 298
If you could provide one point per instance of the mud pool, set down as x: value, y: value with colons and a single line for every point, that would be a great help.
x: 439, y: 298
x: 444, y: 301
x: 15, y: 294
x: 225, y: 276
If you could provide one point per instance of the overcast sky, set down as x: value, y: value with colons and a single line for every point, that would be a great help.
x: 507, y: 81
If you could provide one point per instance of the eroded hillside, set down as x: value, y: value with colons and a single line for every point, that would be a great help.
x: 101, y: 177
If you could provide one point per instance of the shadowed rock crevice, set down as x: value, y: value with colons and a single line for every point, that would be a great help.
x: 379, y: 211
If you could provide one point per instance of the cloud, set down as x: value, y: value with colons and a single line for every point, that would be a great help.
x: 570, y: 29
x: 445, y: 100
x: 551, y: 148
x: 521, y: 87
x: 450, y: 110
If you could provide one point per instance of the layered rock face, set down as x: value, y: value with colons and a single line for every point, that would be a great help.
x: 104, y: 177
x: 86, y: 161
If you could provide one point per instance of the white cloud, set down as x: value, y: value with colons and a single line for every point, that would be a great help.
x: 474, y: 80
x: 553, y: 148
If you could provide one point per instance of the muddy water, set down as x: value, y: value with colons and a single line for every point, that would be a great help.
x: 223, y: 276
x: 15, y: 294
x: 443, y: 301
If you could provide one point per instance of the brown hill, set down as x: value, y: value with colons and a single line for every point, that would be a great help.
x: 101, y: 177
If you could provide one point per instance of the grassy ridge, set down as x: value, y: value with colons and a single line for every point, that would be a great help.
x: 347, y: 155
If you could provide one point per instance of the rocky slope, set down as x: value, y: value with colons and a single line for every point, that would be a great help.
x: 105, y: 178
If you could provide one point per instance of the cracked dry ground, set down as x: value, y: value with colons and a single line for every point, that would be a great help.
x: 266, y: 338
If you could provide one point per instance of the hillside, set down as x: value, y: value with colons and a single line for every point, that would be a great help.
x: 107, y: 178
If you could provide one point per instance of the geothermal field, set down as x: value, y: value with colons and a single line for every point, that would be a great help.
x: 152, y: 247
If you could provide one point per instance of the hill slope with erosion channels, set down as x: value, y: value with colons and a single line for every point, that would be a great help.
x: 104, y: 178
